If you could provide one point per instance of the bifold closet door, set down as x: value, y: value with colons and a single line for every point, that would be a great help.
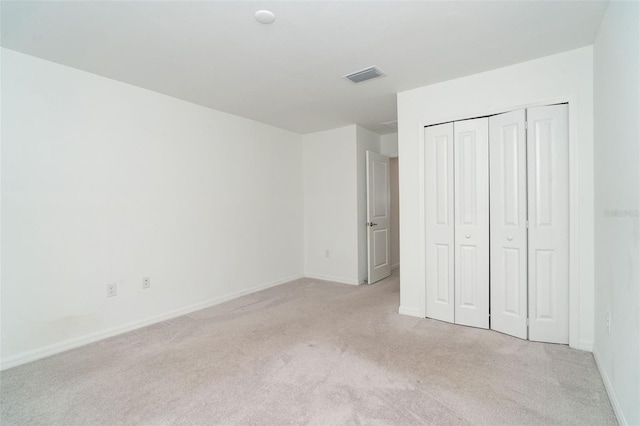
x: 471, y: 230
x: 508, y: 205
x: 548, y: 182
x: 439, y: 221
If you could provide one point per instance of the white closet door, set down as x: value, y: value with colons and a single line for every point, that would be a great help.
x: 548, y: 180
x: 439, y: 221
x: 508, y: 204
x: 471, y: 159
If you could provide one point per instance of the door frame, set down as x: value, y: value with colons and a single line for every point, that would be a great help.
x: 574, y: 187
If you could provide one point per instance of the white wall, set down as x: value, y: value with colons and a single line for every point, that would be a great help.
x: 335, y: 209
x: 389, y: 145
x: 366, y: 140
x: 617, y: 206
x: 557, y: 78
x: 331, y: 205
x: 106, y: 182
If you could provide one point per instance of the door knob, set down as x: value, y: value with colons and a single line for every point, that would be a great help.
x: 509, y: 238
x: 371, y: 224
x: 467, y: 236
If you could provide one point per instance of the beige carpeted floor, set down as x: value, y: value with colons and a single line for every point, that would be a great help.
x: 309, y: 352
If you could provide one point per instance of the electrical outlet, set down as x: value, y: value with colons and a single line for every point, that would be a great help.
x: 146, y: 283
x: 608, y: 322
x: 112, y: 289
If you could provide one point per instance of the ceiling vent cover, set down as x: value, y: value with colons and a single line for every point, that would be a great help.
x: 364, y: 75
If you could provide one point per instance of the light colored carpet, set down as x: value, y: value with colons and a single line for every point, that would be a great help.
x: 309, y: 352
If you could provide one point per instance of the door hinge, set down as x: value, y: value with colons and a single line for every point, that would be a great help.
x: 526, y: 222
x: 527, y: 322
x: 526, y: 125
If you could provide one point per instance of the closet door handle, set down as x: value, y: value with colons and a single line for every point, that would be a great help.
x: 467, y: 236
x: 509, y: 238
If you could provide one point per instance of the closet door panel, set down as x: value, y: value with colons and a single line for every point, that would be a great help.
x: 471, y: 211
x: 548, y: 182
x: 508, y: 206
x: 439, y: 226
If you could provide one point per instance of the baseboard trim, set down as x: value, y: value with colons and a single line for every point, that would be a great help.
x: 394, y: 267
x: 585, y: 345
x: 339, y: 280
x: 412, y: 312
x: 56, y: 348
x: 609, y: 388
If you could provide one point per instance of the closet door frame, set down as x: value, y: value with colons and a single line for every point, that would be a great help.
x: 574, y: 204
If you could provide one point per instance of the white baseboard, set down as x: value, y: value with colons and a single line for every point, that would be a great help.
x: 609, y: 387
x: 585, y: 345
x: 412, y: 312
x: 35, y: 354
x: 333, y: 279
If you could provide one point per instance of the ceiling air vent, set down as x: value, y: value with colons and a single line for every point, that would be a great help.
x: 364, y: 75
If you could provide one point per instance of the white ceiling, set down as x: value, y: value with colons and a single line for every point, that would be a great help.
x: 289, y: 74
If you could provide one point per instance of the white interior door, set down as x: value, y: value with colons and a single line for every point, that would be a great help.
x: 471, y: 159
x: 548, y: 181
x: 508, y: 204
x: 378, y: 221
x: 439, y: 221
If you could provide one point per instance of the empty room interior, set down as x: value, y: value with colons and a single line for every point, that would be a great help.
x: 320, y: 212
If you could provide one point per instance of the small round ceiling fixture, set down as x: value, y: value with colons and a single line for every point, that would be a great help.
x: 265, y: 16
